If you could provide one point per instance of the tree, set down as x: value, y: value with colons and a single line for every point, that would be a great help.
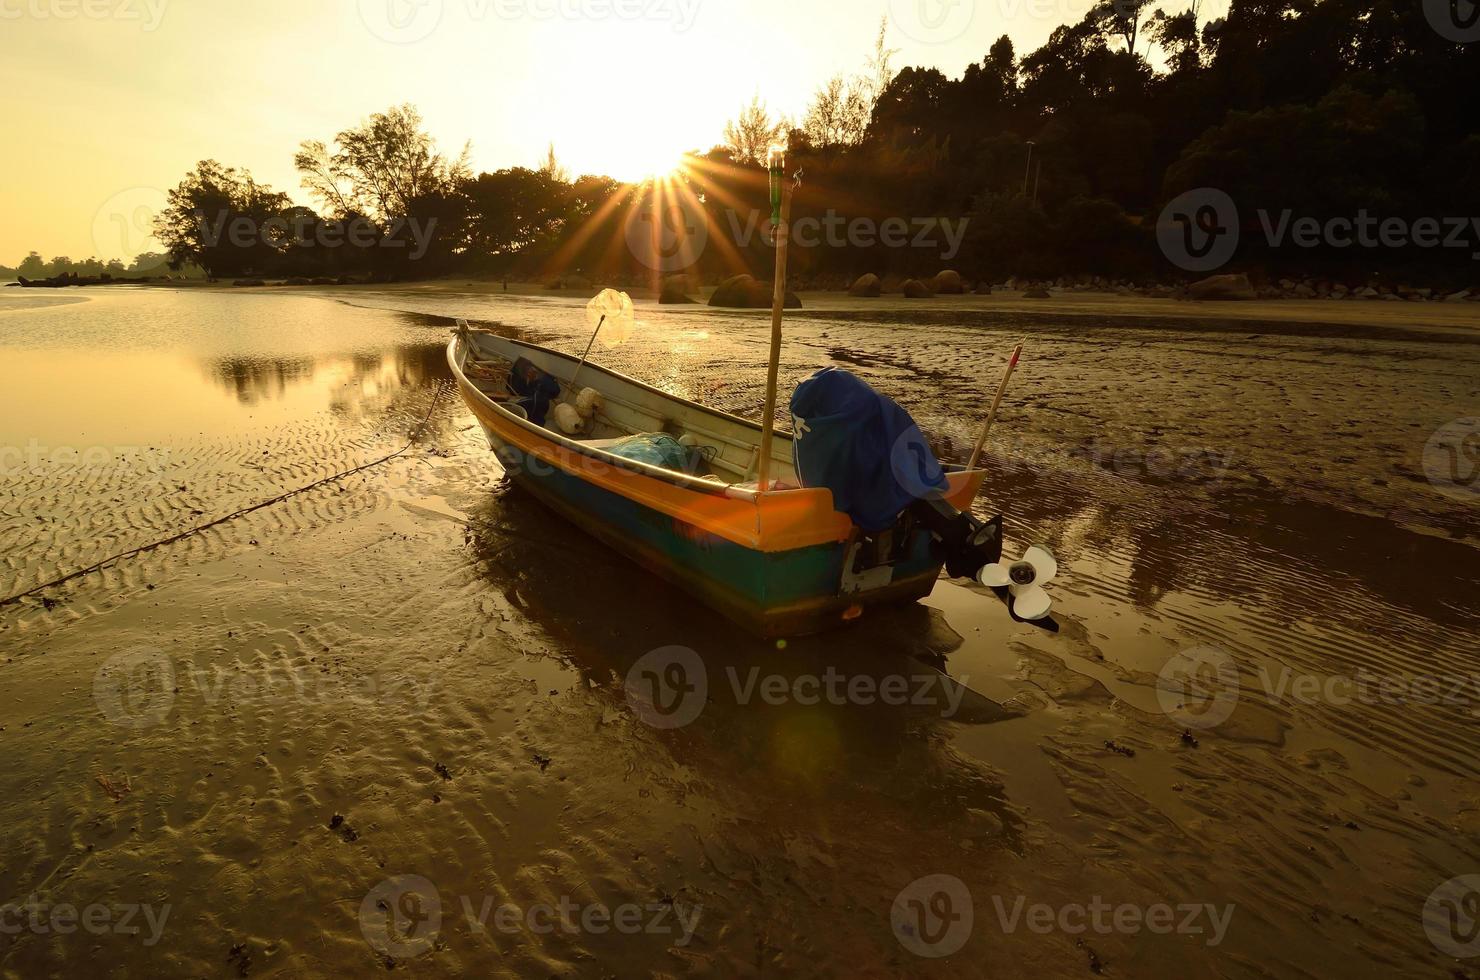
x: 838, y: 115
x: 224, y: 221
x: 554, y: 169
x: 749, y: 136
x: 379, y: 167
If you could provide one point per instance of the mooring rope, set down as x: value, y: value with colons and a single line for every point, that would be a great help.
x: 134, y: 552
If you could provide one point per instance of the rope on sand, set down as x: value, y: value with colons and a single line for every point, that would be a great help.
x: 134, y: 552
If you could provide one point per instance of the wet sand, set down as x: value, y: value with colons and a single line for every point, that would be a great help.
x: 420, y: 672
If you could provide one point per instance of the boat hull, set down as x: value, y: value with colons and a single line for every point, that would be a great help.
x: 772, y: 594
x: 778, y: 564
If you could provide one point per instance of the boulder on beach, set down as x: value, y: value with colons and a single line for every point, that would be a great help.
x: 675, y: 290
x: 1228, y: 287
x: 948, y: 282
x: 984, y: 288
x: 915, y: 289
x: 569, y: 282
x: 746, y: 292
x: 250, y: 282
x: 1036, y: 292
x: 867, y: 286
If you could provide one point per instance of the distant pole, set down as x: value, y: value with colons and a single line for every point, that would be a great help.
x: 1027, y: 167
x: 778, y: 305
x: 1037, y: 176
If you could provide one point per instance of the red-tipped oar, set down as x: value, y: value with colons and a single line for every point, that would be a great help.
x: 981, y: 440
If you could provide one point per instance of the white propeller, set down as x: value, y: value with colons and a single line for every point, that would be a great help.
x: 1024, y: 579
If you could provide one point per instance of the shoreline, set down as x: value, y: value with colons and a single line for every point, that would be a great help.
x: 1076, y: 303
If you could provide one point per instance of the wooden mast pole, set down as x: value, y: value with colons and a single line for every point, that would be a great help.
x: 778, y: 304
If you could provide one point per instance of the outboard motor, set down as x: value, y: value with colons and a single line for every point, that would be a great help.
x: 873, y: 457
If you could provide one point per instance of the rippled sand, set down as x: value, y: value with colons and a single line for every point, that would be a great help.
x: 427, y: 655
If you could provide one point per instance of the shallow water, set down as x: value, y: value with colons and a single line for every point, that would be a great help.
x: 1254, y: 490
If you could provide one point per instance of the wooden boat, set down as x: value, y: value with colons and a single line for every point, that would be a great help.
x: 781, y: 563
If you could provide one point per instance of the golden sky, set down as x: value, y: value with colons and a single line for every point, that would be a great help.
x: 110, y: 102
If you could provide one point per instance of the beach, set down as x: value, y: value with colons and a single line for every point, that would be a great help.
x: 403, y: 697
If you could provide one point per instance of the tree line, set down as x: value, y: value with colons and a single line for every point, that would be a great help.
x: 1060, y: 162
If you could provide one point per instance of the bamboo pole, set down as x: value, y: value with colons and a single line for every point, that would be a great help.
x: 981, y: 440
x: 778, y: 304
x: 589, y: 345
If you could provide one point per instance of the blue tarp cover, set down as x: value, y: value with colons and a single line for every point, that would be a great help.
x: 863, y: 447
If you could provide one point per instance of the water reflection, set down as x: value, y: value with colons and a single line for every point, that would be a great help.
x: 355, y: 384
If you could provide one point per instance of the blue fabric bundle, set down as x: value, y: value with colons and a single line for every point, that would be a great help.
x: 863, y: 447
x: 536, y: 388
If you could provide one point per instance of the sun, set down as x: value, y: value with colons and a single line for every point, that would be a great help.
x: 644, y: 161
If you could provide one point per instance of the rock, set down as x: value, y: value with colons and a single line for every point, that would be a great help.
x: 1036, y: 292
x: 745, y: 292
x: 1229, y: 287
x: 249, y: 282
x: 948, y: 282
x: 1303, y: 291
x: 867, y: 286
x: 297, y: 281
x: 570, y: 282
x: 915, y: 289
x: 1458, y: 297
x: 984, y: 288
x: 323, y: 281
x: 1367, y: 293
x: 675, y: 291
